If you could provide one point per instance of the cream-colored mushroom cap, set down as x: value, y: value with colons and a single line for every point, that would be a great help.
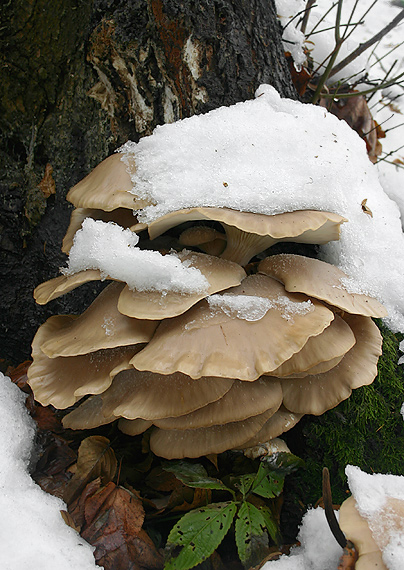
x: 321, y: 352
x: 357, y: 530
x: 107, y: 187
x: 243, y: 400
x: 206, y: 341
x: 134, y: 394
x: 121, y: 216
x: 206, y: 238
x: 133, y: 427
x: 88, y: 415
x: 248, y: 233
x: 177, y: 444
x: 64, y: 380
x: 101, y: 326
x: 219, y: 273
x: 320, y: 280
x: 63, y: 284
x: 315, y: 394
x: 283, y: 420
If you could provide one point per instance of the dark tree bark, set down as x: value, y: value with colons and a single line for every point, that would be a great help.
x: 79, y: 78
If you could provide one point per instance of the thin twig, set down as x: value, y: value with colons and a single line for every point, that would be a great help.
x: 392, y: 128
x: 363, y: 16
x: 309, y: 6
x: 366, y: 45
x: 332, y: 27
x: 321, y: 19
x: 333, y: 57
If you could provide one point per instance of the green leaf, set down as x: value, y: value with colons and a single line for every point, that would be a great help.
x: 194, y: 475
x: 283, y: 462
x: 197, y: 534
x: 243, y: 483
x: 268, y: 483
x: 251, y: 536
x: 271, y: 524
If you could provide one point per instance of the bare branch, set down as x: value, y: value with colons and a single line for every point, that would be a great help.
x: 366, y: 45
x: 306, y: 15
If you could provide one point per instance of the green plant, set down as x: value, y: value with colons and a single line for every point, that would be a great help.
x: 199, y: 532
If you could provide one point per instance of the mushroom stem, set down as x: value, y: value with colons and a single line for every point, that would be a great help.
x: 329, y: 511
x: 242, y: 246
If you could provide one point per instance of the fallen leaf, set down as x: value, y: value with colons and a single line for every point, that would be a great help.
x: 355, y: 111
x: 95, y: 459
x: 301, y: 78
x: 111, y: 519
x: 366, y: 209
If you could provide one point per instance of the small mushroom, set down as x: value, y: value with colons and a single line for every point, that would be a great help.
x: 206, y: 238
x: 319, y: 280
x: 61, y: 285
x: 149, y: 396
x: 62, y: 381
x: 107, y: 187
x: 101, y: 326
x: 320, y: 353
x: 243, y: 400
x: 282, y: 420
x: 206, y: 342
x: 248, y: 234
x: 220, y: 274
x: 177, y: 444
x: 315, y: 394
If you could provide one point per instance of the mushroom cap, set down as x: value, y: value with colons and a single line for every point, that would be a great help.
x: 107, y: 187
x: 100, y: 326
x: 133, y: 427
x: 61, y: 285
x: 87, y: 415
x: 243, y: 400
x: 177, y: 444
x: 315, y: 394
x: 220, y: 274
x: 311, y: 226
x: 356, y: 529
x: 121, y: 216
x: 319, y: 280
x: 206, y: 342
x: 283, y: 420
x: 62, y: 381
x: 134, y: 394
x: 321, y: 352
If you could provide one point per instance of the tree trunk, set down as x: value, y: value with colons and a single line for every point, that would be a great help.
x: 79, y: 78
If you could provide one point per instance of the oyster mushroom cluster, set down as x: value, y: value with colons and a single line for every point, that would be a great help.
x: 231, y: 366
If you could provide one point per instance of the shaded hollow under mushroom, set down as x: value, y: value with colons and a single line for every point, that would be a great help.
x: 249, y: 234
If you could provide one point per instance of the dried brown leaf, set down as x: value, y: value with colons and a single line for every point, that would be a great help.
x: 95, y: 459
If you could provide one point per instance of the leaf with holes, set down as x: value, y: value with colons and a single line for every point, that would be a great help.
x: 194, y: 475
x: 271, y: 524
x: 268, y: 483
x: 197, y: 534
x: 243, y: 483
x: 251, y: 536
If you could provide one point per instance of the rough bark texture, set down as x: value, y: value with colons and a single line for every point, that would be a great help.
x: 78, y: 79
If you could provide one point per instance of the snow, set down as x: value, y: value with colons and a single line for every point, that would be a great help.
x: 32, y: 531
x: 112, y: 250
x: 248, y: 146
x: 253, y: 308
x: 318, y: 551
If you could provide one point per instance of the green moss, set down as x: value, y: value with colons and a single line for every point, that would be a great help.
x: 366, y: 430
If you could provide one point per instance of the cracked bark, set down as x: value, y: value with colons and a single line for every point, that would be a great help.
x: 78, y: 79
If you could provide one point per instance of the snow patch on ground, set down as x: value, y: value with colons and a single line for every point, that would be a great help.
x: 32, y: 531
